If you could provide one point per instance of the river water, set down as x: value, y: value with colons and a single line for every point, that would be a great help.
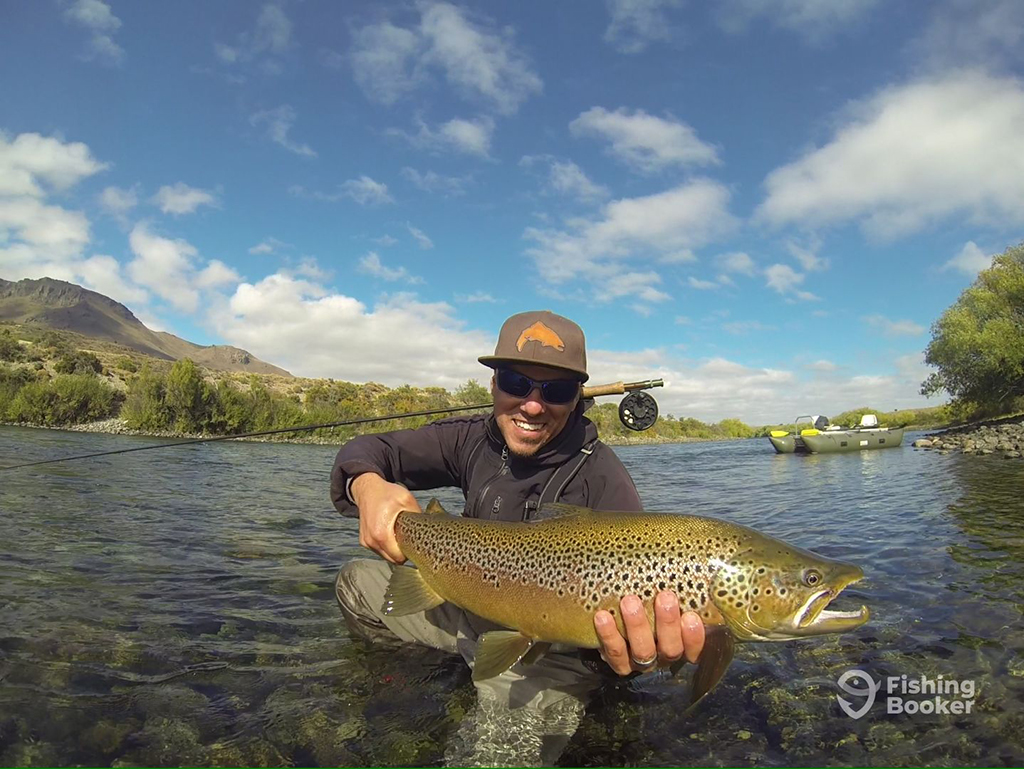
x: 176, y: 607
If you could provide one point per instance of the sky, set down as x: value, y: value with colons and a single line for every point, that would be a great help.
x: 767, y: 203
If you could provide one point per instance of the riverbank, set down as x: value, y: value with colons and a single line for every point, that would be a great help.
x: 118, y: 426
x: 998, y: 436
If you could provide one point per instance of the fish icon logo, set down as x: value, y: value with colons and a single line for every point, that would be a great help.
x: 538, y: 332
x: 869, y: 691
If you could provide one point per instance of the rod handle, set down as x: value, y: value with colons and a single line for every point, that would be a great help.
x: 618, y: 388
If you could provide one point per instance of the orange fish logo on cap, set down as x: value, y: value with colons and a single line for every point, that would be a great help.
x: 538, y: 332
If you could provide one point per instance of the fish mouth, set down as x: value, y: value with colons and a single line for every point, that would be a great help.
x: 814, y: 618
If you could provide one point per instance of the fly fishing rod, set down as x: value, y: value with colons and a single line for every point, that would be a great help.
x: 638, y: 413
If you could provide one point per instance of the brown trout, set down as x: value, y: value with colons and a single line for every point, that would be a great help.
x: 545, y: 579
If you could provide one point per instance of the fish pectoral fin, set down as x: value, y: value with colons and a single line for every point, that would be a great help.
x: 538, y: 650
x: 497, y: 651
x: 715, y: 658
x: 434, y: 507
x: 408, y: 593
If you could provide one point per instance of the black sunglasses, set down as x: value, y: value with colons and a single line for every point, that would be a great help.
x: 554, y: 391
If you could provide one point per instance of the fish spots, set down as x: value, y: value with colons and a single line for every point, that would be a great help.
x: 585, y: 564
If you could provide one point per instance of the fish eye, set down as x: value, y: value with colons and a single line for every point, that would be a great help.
x: 812, y: 577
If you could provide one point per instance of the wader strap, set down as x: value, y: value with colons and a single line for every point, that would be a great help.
x: 559, y: 480
x: 470, y: 509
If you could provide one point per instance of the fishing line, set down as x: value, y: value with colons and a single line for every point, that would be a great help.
x: 298, y: 429
x: 616, y: 388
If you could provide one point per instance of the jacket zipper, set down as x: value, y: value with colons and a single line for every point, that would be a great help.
x: 496, y: 507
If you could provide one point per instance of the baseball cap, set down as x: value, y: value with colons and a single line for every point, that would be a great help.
x: 541, y: 338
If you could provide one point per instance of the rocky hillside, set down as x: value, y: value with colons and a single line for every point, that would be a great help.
x: 55, y: 304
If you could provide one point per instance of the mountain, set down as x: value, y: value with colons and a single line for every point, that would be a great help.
x: 64, y: 306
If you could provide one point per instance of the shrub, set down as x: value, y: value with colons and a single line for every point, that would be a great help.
x: 144, y: 408
x: 10, y: 350
x: 187, y: 397
x: 78, y: 362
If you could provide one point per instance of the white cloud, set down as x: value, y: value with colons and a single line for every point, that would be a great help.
x: 366, y: 192
x: 117, y: 202
x: 385, y: 240
x: 815, y: 20
x: 822, y: 365
x: 372, y: 265
x: 103, y: 274
x: 435, y: 183
x: 31, y: 162
x: 807, y: 255
x: 566, y: 178
x: 271, y: 35
x: 891, y: 327
x: 268, y: 246
x: 783, y: 278
x: 420, y: 237
x: 479, y: 297
x: 644, y: 142
x: 968, y: 33
x: 664, y: 223
x: 97, y: 17
x: 279, y: 122
x: 737, y: 263
x: 45, y: 232
x: 477, y: 61
x: 217, y: 274
x: 312, y: 332
x: 273, y: 30
x: 740, y: 327
x: 970, y: 260
x: 164, y: 266
x: 384, y: 61
x: 911, y: 155
x: 180, y: 199
x: 569, y: 179
x: 700, y: 285
x: 634, y: 24
x: 615, y: 284
x: 469, y: 137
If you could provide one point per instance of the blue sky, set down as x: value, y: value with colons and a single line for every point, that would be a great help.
x: 764, y: 202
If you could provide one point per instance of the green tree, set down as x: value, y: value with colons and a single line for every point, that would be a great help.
x: 188, y: 397
x: 144, y: 408
x: 978, y: 343
x: 9, y: 347
x: 78, y: 362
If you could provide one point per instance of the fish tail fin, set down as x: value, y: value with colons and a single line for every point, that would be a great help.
x: 719, y: 647
x: 408, y: 593
x: 497, y: 651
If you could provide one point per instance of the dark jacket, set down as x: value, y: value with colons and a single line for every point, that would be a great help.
x: 469, y: 452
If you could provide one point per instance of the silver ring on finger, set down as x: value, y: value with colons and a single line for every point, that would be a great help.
x: 645, y: 664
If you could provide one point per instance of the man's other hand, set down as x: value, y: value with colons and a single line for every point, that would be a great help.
x: 678, y: 635
x: 379, y: 502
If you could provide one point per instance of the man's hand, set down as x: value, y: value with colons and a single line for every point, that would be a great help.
x: 379, y: 503
x: 677, y: 635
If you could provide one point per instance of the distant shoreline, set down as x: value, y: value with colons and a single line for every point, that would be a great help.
x: 118, y: 426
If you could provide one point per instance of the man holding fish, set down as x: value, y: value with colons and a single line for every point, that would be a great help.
x: 536, y: 447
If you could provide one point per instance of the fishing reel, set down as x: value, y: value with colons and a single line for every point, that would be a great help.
x: 638, y: 411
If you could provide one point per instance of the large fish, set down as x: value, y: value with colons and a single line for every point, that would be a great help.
x: 545, y: 579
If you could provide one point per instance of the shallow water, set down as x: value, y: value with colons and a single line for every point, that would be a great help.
x: 176, y: 607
